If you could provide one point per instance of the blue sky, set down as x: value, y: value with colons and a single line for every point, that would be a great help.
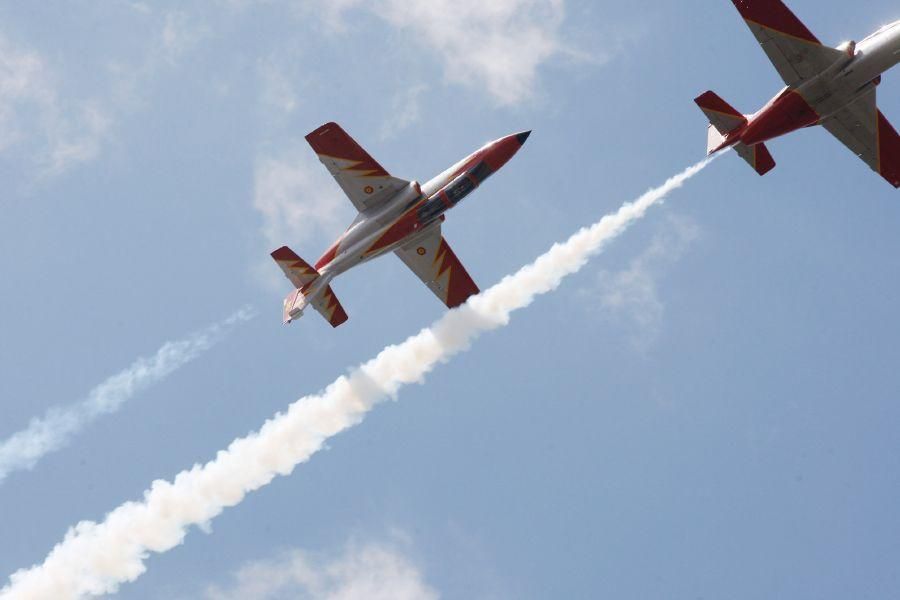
x: 705, y: 411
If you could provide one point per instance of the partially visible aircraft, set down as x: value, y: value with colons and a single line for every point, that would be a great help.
x: 395, y: 215
x: 832, y: 87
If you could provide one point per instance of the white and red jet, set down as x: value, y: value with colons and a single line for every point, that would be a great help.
x: 395, y: 215
x: 832, y: 87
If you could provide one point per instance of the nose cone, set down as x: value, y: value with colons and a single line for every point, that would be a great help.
x: 499, y: 152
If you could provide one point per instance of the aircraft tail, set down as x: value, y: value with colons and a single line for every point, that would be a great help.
x: 311, y: 288
x: 725, y: 127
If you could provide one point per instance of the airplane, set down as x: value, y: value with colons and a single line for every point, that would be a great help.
x: 395, y: 215
x: 831, y: 87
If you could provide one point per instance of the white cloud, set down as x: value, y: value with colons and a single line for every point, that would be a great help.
x: 277, y: 94
x: 368, y: 572
x: 297, y: 198
x: 405, y: 110
x: 23, y: 79
x: 497, y: 46
x: 32, y: 112
x: 180, y: 33
x: 58, y: 128
x: 631, y: 296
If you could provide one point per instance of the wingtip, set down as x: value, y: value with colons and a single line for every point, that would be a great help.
x: 284, y: 253
x: 322, y: 129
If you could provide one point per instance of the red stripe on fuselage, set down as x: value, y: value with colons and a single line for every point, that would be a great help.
x: 773, y: 14
x: 328, y: 256
x: 407, y: 224
x: 787, y: 112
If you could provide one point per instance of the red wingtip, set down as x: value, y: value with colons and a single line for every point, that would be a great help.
x: 460, y: 284
x: 773, y: 14
x: 888, y: 151
x: 331, y: 140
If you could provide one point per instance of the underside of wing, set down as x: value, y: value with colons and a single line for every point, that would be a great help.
x: 868, y: 134
x: 434, y: 262
x: 364, y: 181
x: 796, y: 53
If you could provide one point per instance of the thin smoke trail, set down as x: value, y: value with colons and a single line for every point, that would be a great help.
x: 95, y: 558
x: 59, y: 425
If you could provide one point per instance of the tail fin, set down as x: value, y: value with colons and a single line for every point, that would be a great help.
x: 297, y: 270
x: 724, y: 120
x: 725, y: 125
x: 305, y: 278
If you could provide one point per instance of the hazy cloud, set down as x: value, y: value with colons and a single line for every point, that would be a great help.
x: 297, y: 198
x: 405, y: 110
x: 32, y: 112
x: 277, y: 91
x: 631, y: 296
x: 497, y: 46
x: 372, y: 571
x: 180, y: 33
x: 58, y: 128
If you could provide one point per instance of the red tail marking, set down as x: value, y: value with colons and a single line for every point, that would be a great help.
x: 711, y: 101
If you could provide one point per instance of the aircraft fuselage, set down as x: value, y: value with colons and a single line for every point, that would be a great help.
x: 819, y: 97
x: 413, y: 211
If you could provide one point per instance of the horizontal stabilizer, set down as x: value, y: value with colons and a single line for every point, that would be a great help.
x: 309, y: 289
x: 330, y: 307
x: 756, y: 156
x: 297, y: 270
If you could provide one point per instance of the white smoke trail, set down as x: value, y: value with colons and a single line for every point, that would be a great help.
x: 95, y: 558
x: 56, y: 428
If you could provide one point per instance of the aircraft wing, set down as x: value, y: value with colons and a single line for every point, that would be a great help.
x: 364, y: 181
x: 867, y: 133
x: 796, y: 53
x: 437, y: 266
